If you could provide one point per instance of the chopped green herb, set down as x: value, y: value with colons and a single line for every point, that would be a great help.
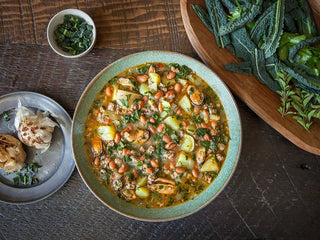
x: 6, y: 116
x: 74, y: 35
x: 157, y: 117
x: 113, y: 81
x: 170, y: 202
x: 136, y: 116
x: 196, y: 119
x: 142, y: 69
x: 184, y: 71
x: 156, y: 137
x: 175, y: 65
x: 96, y: 104
x: 127, y: 158
x: 160, y: 148
x: 125, y: 102
x: 27, y: 175
x: 205, y: 144
x: 169, y: 131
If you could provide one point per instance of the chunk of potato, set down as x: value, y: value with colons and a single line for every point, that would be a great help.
x: 142, y: 192
x: 107, y: 133
x: 185, y: 104
x: 142, y: 181
x: 191, y: 129
x: 185, y: 160
x: 111, y: 115
x: 173, y: 122
x: 166, y: 106
x: 153, y: 81
x: 210, y: 165
x: 182, y: 81
x: 144, y: 89
x: 115, y: 90
x: 215, y: 117
x: 168, y: 82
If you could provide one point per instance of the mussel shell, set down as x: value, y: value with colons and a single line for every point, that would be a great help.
x: 197, y: 98
x: 137, y: 136
x: 128, y: 194
x: 97, y: 147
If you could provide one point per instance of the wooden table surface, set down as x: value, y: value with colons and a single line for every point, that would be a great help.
x: 269, y: 197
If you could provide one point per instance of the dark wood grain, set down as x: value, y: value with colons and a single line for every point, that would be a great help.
x: 133, y: 24
x: 262, y: 100
x: 269, y: 196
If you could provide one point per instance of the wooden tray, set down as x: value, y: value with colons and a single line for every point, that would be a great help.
x: 257, y: 96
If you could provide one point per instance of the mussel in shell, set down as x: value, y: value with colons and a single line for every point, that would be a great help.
x: 137, y: 136
x: 163, y: 186
x: 197, y: 98
x: 97, y: 146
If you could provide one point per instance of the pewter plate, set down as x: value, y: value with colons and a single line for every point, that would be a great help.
x: 57, y: 163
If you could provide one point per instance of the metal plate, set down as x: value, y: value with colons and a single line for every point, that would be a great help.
x: 57, y: 163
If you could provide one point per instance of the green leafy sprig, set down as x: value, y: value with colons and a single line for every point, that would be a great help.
x: 286, y: 92
x: 302, y: 105
x: 27, y: 175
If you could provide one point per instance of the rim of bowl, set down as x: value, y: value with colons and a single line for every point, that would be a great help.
x: 187, y: 213
x: 51, y: 28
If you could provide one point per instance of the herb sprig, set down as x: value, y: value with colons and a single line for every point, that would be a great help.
x: 27, y: 175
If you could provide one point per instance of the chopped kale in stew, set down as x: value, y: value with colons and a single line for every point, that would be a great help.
x: 157, y: 135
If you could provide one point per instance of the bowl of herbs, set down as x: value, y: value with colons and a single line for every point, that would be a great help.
x: 71, y: 33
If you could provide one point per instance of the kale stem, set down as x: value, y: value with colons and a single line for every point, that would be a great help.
x: 239, y: 6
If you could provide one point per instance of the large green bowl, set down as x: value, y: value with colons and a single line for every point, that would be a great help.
x: 168, y: 213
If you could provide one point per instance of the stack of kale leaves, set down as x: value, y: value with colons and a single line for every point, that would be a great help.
x: 277, y: 39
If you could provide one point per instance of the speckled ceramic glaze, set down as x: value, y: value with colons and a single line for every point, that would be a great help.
x: 119, y: 205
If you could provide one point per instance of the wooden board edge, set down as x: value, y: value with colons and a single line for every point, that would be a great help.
x: 276, y: 125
